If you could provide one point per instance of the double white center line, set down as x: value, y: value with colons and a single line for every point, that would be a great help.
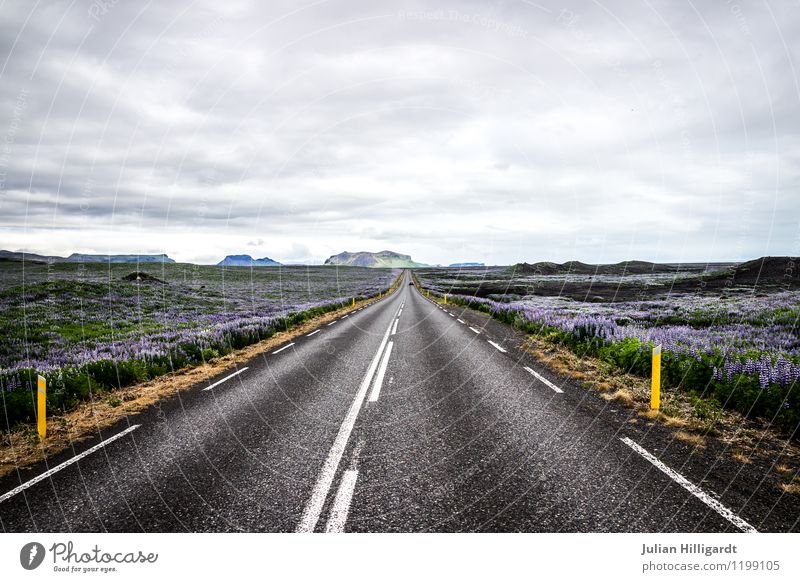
x: 323, y: 485
x: 376, y: 389
x: 344, y: 496
x: 341, y: 504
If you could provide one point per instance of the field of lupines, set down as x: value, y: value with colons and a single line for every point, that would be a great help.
x: 92, y: 328
x: 740, y: 349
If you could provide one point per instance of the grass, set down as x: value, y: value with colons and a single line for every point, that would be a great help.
x: 92, y: 329
x: 21, y: 445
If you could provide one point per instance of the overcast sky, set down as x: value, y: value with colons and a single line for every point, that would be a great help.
x: 452, y: 131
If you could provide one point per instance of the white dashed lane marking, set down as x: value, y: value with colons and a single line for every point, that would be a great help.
x: 225, y: 379
x: 314, y: 332
x: 497, y: 347
x: 543, y: 380
x: 286, y: 347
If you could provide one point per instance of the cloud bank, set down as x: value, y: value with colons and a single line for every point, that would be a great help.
x: 492, y: 132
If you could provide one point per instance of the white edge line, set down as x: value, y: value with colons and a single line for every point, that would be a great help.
x: 67, y: 463
x: 331, y: 323
x: 473, y: 329
x: 394, y: 329
x: 692, y: 488
x: 225, y: 379
x: 376, y: 388
x: 496, y: 346
x: 544, y: 380
x: 314, y: 332
x: 323, y: 485
x: 461, y: 321
x: 342, y: 501
x: 286, y: 347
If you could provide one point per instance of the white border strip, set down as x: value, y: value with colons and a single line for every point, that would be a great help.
x: 543, y: 380
x: 341, y: 504
x: 65, y: 464
x: 313, y: 332
x: 225, y: 379
x: 693, y: 489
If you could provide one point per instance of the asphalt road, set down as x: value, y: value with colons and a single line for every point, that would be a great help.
x: 403, y: 416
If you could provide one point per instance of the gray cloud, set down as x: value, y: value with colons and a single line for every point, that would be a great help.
x: 473, y: 131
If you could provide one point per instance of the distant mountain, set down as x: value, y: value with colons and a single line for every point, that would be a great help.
x: 466, y: 265
x: 762, y: 272
x: 383, y: 259
x: 578, y: 268
x: 14, y: 256
x: 81, y: 258
x: 247, y: 261
x: 622, y: 268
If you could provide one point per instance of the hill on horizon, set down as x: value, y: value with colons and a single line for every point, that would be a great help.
x: 84, y: 258
x: 382, y: 260
x: 632, y: 267
x: 247, y: 261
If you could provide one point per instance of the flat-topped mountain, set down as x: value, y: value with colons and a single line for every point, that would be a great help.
x: 382, y: 259
x: 84, y: 258
x: 247, y: 261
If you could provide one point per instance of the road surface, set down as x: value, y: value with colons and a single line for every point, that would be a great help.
x: 403, y: 416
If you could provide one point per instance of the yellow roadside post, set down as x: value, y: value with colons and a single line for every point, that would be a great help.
x: 445, y: 298
x: 354, y: 302
x: 41, y: 407
x: 655, y: 384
